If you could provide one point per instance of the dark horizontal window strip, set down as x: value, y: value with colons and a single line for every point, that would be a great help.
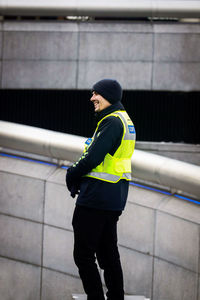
x: 158, y: 115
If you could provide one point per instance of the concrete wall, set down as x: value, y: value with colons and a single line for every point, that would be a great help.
x: 184, y: 152
x: 159, y: 238
x: 72, y: 55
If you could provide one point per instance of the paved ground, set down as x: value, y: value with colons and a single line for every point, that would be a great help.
x: 83, y: 297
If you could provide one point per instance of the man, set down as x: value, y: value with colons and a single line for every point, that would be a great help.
x: 102, y: 175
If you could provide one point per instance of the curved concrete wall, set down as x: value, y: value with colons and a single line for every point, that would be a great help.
x: 159, y: 238
x: 73, y: 55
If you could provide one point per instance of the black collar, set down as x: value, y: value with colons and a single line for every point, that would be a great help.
x: 110, y: 109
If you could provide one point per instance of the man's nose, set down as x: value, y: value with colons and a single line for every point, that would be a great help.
x: 92, y: 98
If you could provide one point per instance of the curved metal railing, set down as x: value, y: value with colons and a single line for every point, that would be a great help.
x: 174, y: 174
x: 120, y: 8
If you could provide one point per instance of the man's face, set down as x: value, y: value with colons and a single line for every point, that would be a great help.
x: 99, y: 102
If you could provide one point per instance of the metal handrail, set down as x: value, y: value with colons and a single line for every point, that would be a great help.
x: 174, y: 174
x: 120, y: 8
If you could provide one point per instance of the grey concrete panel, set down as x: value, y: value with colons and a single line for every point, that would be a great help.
x: 176, y: 76
x: 102, y: 26
x: 177, y: 47
x: 168, y: 147
x: 131, y: 75
x: 176, y: 28
x: 115, y: 46
x: 173, y: 283
x: 182, y: 209
x: 58, y: 176
x: 40, y: 26
x: 58, y: 250
x: 21, y: 196
x: 136, y: 228
x: 20, y: 239
x: 59, y: 286
x: 59, y: 206
x: 137, y: 269
x: 1, y: 43
x: 145, y: 197
x: 26, y: 168
x: 39, y: 74
x: 40, y: 45
x: 177, y: 241
x: 19, y: 281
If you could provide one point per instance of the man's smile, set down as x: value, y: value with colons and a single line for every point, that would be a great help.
x: 96, y: 104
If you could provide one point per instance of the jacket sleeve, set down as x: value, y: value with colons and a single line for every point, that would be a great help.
x: 107, y: 140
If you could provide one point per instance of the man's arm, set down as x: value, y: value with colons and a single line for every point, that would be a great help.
x: 107, y: 140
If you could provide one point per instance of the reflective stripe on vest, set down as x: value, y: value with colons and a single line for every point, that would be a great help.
x: 118, y: 166
x: 109, y: 177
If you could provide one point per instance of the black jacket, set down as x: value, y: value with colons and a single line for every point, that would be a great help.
x: 96, y: 193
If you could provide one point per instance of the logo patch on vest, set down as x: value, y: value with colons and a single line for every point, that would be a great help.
x: 88, y: 142
x: 131, y: 129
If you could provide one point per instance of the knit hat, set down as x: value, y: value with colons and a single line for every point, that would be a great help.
x: 110, y: 89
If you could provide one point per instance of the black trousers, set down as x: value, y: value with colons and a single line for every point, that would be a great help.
x: 95, y: 236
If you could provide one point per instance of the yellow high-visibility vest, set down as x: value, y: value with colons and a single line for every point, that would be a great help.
x: 116, y: 167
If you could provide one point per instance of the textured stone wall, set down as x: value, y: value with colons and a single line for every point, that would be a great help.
x: 159, y: 238
x: 72, y: 55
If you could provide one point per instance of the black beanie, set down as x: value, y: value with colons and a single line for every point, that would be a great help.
x: 110, y: 89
